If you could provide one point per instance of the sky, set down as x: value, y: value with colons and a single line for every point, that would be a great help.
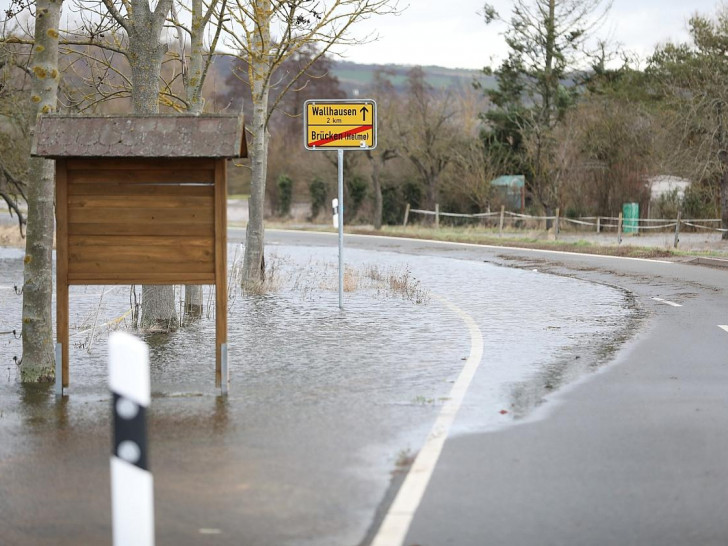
x: 451, y: 33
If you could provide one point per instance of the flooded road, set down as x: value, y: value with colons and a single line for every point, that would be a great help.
x: 324, y: 405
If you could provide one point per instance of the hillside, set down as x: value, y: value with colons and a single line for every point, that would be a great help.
x: 356, y: 78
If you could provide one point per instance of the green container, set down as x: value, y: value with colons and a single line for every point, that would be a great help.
x: 631, y: 217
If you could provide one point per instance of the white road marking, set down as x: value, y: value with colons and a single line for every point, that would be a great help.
x: 397, y: 521
x: 473, y: 245
x: 666, y: 302
x: 723, y: 327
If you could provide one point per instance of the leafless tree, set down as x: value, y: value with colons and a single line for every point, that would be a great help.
x: 265, y: 33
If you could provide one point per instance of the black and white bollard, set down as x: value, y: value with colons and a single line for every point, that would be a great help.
x: 132, y: 486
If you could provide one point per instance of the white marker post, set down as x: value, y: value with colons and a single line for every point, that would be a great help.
x: 335, y: 209
x: 132, y: 486
x: 340, y: 216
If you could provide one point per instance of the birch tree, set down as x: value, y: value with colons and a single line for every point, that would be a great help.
x: 193, y: 77
x: 265, y: 33
x: 37, y: 364
x: 145, y: 51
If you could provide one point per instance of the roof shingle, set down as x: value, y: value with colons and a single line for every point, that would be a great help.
x: 163, y: 136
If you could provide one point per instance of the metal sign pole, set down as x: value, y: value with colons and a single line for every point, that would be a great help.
x: 341, y: 228
x: 340, y: 125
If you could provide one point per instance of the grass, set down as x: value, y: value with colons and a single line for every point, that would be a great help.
x: 489, y: 236
x: 485, y: 237
x: 319, y: 275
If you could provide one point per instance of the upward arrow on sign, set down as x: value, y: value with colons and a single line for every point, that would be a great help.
x: 364, y: 110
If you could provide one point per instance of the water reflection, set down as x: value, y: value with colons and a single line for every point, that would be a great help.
x: 321, y: 402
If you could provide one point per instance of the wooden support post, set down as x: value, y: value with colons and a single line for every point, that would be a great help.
x: 556, y: 224
x: 500, y: 223
x: 619, y: 229
x: 220, y: 269
x: 599, y: 224
x: 677, y: 229
x: 437, y: 215
x: 62, y: 269
x: 406, y: 215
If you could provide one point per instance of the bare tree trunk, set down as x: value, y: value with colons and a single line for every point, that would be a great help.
x: 259, y: 71
x: 38, y: 355
x: 255, y: 232
x: 376, y: 182
x: 145, y: 55
x: 723, y: 201
x: 431, y: 197
x: 193, y: 85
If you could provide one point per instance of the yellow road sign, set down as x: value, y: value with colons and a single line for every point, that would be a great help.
x: 340, y: 124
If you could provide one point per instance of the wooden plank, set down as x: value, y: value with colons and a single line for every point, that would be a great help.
x: 136, y: 164
x: 151, y: 255
x: 220, y: 265
x: 187, y: 215
x: 140, y: 241
x: 84, y: 278
x: 141, y: 176
x: 62, y: 269
x: 181, y: 266
x: 131, y: 190
x: 139, y: 229
x: 140, y: 202
x: 137, y: 268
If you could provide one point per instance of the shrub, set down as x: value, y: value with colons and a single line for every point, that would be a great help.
x: 357, y: 187
x: 317, y: 190
x: 285, y: 195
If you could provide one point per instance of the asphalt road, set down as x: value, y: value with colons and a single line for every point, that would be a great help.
x: 633, y: 454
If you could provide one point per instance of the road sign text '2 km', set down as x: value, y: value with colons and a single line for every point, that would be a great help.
x: 340, y: 124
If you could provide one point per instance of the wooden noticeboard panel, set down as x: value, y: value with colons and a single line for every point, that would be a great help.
x: 148, y: 222
x: 141, y: 221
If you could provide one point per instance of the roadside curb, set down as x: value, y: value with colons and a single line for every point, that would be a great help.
x: 712, y: 262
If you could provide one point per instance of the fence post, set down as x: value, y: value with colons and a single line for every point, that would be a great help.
x: 556, y: 224
x: 406, y: 215
x: 619, y: 229
x: 677, y: 229
x: 599, y: 224
x: 437, y: 215
x: 500, y: 224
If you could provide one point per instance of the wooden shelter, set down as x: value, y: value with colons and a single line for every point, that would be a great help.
x: 141, y: 199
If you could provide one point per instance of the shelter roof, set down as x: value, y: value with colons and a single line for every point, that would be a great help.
x: 140, y: 136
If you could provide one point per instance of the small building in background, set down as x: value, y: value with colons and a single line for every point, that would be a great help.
x: 510, y: 190
x: 664, y: 187
x: 664, y: 184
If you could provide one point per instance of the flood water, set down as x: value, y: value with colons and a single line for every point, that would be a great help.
x: 323, y: 402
